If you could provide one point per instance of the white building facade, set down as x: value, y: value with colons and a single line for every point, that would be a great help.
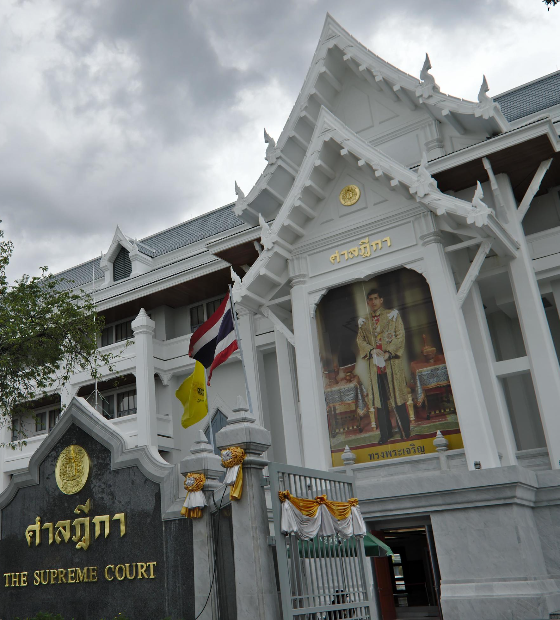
x: 450, y: 210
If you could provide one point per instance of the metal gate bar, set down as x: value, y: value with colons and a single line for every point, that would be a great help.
x: 323, y: 578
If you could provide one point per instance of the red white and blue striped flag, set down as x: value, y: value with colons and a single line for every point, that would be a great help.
x: 214, y: 341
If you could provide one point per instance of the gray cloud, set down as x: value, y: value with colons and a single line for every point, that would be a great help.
x: 142, y: 113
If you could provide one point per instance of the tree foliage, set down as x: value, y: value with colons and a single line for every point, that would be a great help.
x: 550, y: 3
x: 48, y: 332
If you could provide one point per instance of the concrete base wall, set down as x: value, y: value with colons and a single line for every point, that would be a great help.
x: 496, y: 531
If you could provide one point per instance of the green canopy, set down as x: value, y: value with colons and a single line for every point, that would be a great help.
x: 329, y: 547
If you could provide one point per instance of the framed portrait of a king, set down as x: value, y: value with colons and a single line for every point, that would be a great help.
x: 385, y: 379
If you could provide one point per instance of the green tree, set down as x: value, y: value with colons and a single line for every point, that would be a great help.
x: 48, y: 332
x: 550, y: 3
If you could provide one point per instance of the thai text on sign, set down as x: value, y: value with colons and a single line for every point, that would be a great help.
x: 363, y: 250
x: 62, y: 530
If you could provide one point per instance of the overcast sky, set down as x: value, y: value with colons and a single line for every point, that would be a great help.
x: 143, y: 113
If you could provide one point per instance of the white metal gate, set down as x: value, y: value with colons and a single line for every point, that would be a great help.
x: 323, y: 578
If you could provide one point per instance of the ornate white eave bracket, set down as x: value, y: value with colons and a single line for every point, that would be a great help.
x: 269, y: 274
x: 533, y: 189
x: 141, y: 255
x: 473, y: 271
x: 337, y: 51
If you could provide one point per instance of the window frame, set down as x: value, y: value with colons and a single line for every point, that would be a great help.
x: 204, y: 303
x: 112, y: 396
x: 112, y: 326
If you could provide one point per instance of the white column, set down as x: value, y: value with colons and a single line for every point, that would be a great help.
x: 314, y: 428
x: 534, y: 327
x: 143, y: 328
x: 246, y: 323
x: 483, y: 351
x: 474, y: 421
x: 288, y: 398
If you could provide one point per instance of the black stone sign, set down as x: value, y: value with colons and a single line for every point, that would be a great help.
x: 145, y: 574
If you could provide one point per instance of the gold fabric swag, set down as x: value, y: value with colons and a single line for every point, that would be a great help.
x: 195, y: 500
x: 307, y: 518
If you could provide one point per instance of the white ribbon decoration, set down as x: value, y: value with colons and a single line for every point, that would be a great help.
x: 231, y: 475
x: 195, y: 499
x: 322, y: 524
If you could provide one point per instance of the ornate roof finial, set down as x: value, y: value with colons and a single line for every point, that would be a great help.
x: 239, y: 192
x: 266, y: 233
x: 483, y: 98
x: 271, y: 150
x: 425, y: 182
x: 477, y: 198
x: 235, y: 278
x: 426, y: 77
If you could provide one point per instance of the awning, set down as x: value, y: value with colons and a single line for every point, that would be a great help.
x: 329, y: 547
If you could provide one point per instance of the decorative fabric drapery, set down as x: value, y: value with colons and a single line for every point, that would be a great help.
x: 232, y: 460
x: 307, y: 518
x: 195, y: 500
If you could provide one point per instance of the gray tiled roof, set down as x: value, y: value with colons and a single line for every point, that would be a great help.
x: 191, y: 231
x: 533, y: 97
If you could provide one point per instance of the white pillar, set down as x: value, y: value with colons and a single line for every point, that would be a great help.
x: 314, y: 428
x: 483, y: 351
x: 143, y: 328
x: 534, y: 327
x: 246, y: 323
x: 474, y: 421
x: 555, y: 286
x: 288, y: 398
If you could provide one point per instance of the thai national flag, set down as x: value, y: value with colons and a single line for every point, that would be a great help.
x: 214, y: 341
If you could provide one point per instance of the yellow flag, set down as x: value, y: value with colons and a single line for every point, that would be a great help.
x: 192, y: 394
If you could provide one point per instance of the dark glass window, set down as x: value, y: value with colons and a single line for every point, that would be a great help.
x: 107, y: 336
x: 126, y: 403
x: 212, y: 306
x: 41, y: 421
x: 122, y: 267
x: 197, y: 317
x: 16, y: 426
x: 123, y: 331
x: 219, y: 420
x: 108, y: 405
x: 54, y: 415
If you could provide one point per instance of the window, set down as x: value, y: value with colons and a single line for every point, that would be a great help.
x: 16, y: 428
x: 119, y: 404
x: 212, y: 306
x: 107, y: 336
x: 126, y: 403
x: 108, y: 406
x: 123, y: 331
x: 122, y: 267
x: 41, y: 421
x: 197, y: 317
x: 202, y: 312
x: 117, y: 333
x: 218, y: 422
x: 54, y: 416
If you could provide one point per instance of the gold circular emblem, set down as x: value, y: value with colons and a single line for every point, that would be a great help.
x: 72, y: 469
x: 350, y: 195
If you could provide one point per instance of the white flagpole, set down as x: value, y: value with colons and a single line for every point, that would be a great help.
x: 249, y: 403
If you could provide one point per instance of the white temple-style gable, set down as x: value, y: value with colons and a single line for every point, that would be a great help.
x: 400, y: 114
x: 138, y: 253
x: 389, y: 191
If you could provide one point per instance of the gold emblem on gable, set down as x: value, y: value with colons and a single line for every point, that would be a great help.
x: 350, y: 195
x: 72, y: 469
